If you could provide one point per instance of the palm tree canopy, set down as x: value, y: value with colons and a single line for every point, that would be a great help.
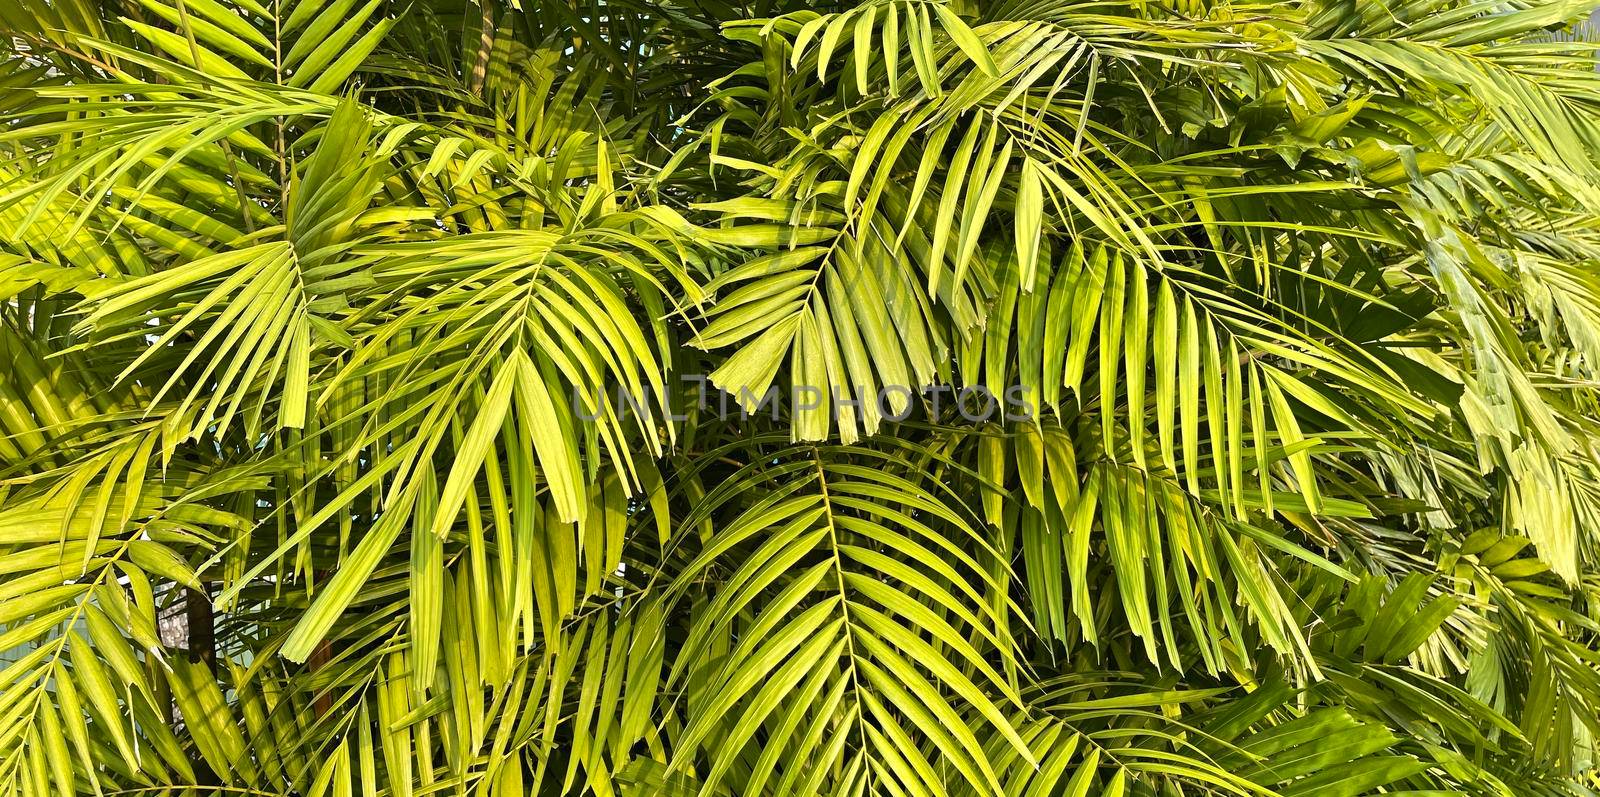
x: 906, y: 397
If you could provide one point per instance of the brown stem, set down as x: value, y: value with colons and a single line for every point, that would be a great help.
x: 202, y: 626
x: 320, y: 656
x: 480, y: 67
x: 202, y: 633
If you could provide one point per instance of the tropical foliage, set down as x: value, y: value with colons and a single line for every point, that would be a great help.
x: 423, y: 397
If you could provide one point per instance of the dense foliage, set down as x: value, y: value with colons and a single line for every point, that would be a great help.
x: 1164, y: 400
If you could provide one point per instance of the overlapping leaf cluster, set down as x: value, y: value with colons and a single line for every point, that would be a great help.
x: 380, y: 408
